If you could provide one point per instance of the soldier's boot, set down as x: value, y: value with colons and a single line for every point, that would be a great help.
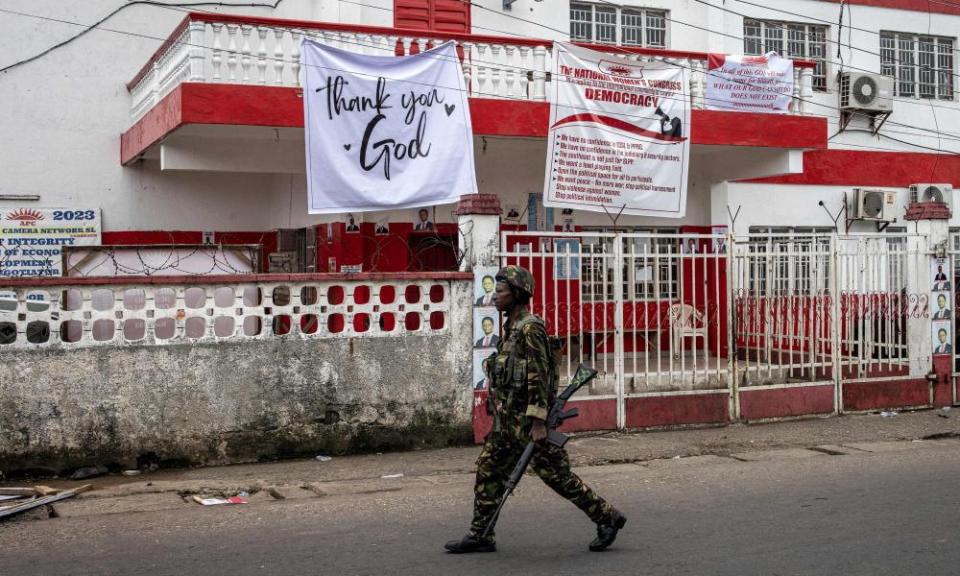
x: 607, y: 532
x: 470, y: 543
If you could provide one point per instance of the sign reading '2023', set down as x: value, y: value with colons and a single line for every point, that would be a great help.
x: 32, y: 239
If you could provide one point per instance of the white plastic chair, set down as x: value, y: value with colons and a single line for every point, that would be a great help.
x: 686, y: 322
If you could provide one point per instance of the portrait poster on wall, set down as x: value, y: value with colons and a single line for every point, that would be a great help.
x: 941, y: 306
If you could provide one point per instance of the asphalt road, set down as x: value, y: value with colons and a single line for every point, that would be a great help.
x: 891, y: 509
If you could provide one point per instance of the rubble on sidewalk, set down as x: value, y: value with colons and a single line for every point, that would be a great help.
x: 27, y: 499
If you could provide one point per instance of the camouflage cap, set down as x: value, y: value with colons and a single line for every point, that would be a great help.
x: 517, y: 277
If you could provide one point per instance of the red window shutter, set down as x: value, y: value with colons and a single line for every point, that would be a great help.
x: 434, y: 15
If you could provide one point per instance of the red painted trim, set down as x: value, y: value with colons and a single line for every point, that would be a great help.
x: 880, y: 394
x: 942, y: 390
x: 785, y: 402
x: 146, y: 237
x: 935, y: 6
x: 865, y: 168
x: 491, y: 117
x: 721, y: 128
x: 674, y: 410
x: 237, y: 279
x: 232, y: 104
x: 162, y: 119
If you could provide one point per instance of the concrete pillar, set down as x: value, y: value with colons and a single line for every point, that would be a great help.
x: 933, y: 235
x: 478, y: 219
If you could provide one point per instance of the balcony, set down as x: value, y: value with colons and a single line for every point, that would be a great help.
x: 232, y: 75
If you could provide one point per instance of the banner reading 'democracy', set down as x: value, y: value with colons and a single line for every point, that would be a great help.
x: 619, y: 135
x: 385, y: 132
x: 749, y: 83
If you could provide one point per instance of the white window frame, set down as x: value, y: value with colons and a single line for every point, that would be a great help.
x: 586, y: 16
x: 781, y: 37
x: 903, y: 58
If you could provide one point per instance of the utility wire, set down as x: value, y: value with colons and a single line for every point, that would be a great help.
x: 119, y: 9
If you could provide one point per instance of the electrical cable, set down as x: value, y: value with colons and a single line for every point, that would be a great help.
x: 119, y: 9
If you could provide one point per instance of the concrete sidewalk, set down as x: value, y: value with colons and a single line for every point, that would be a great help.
x: 377, y: 473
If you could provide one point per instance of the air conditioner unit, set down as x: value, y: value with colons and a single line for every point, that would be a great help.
x: 866, y: 92
x: 876, y: 205
x: 932, y: 193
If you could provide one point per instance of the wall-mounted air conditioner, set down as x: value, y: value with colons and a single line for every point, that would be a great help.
x: 866, y: 92
x: 874, y: 205
x: 932, y: 193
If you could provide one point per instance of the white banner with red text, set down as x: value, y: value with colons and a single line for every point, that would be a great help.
x: 619, y: 135
x: 749, y: 83
x: 385, y: 132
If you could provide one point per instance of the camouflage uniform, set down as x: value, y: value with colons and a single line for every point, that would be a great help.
x: 520, y: 392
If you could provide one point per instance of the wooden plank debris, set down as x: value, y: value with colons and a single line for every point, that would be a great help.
x: 37, y: 502
x: 17, y: 491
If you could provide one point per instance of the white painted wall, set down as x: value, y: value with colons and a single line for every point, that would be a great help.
x: 64, y: 113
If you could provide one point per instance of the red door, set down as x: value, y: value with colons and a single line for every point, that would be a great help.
x: 434, y: 15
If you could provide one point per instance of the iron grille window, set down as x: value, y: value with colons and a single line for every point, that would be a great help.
x: 793, y: 261
x: 650, y: 266
x: 790, y: 40
x: 606, y: 24
x: 922, y: 66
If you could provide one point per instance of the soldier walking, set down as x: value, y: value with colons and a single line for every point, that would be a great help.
x: 522, y: 389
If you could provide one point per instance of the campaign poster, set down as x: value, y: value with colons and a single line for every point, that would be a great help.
x: 486, y: 328
x: 32, y: 239
x: 484, y: 285
x: 749, y: 83
x: 941, y: 306
x: 618, y: 138
x: 480, y: 379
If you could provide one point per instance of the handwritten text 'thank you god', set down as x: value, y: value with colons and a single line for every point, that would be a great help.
x: 378, y: 146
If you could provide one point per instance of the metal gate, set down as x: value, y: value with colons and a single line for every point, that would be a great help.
x: 720, y: 318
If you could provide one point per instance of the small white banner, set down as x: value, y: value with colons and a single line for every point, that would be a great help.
x: 619, y: 134
x: 32, y: 239
x: 385, y: 132
x: 749, y: 83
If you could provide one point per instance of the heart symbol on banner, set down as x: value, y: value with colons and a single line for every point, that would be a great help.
x: 347, y: 147
x: 449, y: 108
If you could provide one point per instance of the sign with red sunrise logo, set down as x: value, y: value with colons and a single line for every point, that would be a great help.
x: 32, y: 239
x: 619, y: 134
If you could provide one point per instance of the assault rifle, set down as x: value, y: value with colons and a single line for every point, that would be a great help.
x: 555, y: 418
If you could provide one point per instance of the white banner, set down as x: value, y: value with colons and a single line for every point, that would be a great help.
x: 32, y: 239
x: 385, y: 132
x: 619, y: 134
x: 749, y: 83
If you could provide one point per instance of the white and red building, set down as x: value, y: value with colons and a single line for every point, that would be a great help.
x: 185, y: 127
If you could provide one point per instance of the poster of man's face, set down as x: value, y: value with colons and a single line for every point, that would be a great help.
x: 942, y: 338
x: 486, y: 328
x: 383, y: 226
x: 353, y: 223
x: 941, y: 309
x: 423, y: 222
x: 480, y: 380
x: 484, y: 285
x: 940, y: 274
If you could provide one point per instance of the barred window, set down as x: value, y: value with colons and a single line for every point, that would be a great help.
x: 607, y: 24
x: 793, y: 259
x: 790, y: 40
x: 921, y: 66
x: 650, y: 265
